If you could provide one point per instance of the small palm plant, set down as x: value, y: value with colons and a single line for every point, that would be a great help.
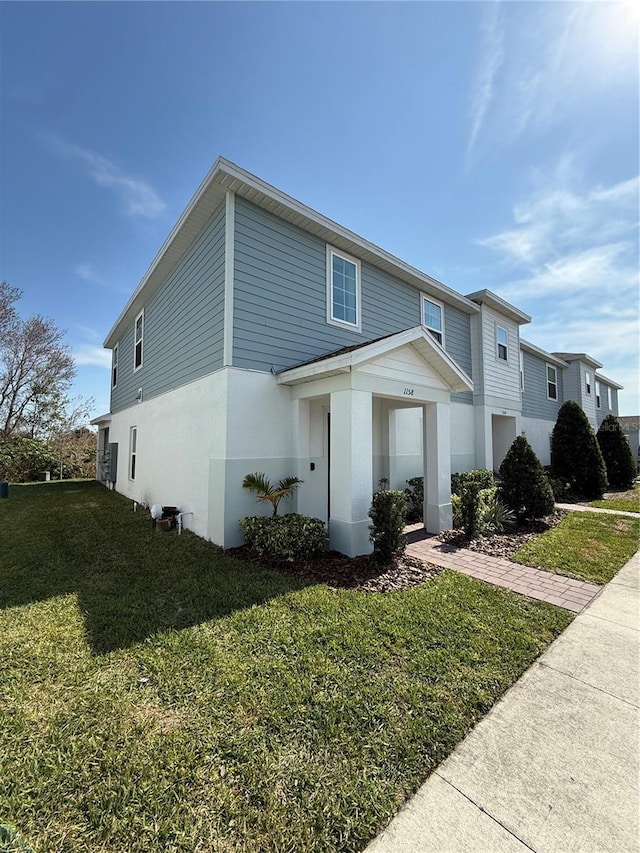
x: 262, y: 486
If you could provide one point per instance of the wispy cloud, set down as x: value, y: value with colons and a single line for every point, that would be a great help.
x: 137, y: 196
x: 93, y: 356
x: 491, y: 58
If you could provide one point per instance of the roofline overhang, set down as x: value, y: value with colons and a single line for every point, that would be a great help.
x: 226, y: 176
x: 101, y: 419
x: 488, y: 297
x: 579, y: 356
x: 543, y: 354
x: 346, y: 362
x: 601, y: 378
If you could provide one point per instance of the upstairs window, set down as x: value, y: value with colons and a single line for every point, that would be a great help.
x: 343, y: 290
x: 598, y: 394
x: 552, y: 383
x: 433, y: 318
x: 609, y: 406
x: 521, y: 370
x: 587, y: 381
x: 114, y: 366
x: 138, y: 341
x: 502, y: 341
x: 133, y: 452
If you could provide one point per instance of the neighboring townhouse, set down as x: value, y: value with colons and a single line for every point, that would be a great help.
x: 265, y: 337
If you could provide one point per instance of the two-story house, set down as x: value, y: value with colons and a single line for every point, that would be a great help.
x: 265, y: 337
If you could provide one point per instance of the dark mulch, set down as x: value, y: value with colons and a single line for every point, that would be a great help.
x: 341, y: 572
x: 504, y: 544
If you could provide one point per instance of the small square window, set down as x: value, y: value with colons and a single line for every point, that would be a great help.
x: 138, y: 341
x: 433, y: 318
x: 502, y: 340
x: 552, y: 383
x: 343, y: 290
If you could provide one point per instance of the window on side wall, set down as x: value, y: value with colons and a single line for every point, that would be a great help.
x: 521, y: 370
x: 114, y: 365
x: 609, y: 400
x: 587, y: 382
x: 343, y: 290
x: 598, y: 401
x: 552, y: 383
x: 138, y: 341
x: 502, y: 342
x: 133, y: 452
x: 433, y: 318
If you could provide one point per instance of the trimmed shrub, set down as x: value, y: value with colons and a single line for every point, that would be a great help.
x: 288, y: 537
x: 470, y: 506
x: 414, y: 496
x: 560, y: 488
x: 617, y: 454
x: 575, y: 453
x: 495, y: 515
x: 481, y: 476
x: 456, y: 511
x: 523, y: 484
x: 387, y: 514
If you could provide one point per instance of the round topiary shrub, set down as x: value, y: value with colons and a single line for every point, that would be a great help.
x: 617, y: 454
x: 523, y: 484
x: 575, y: 453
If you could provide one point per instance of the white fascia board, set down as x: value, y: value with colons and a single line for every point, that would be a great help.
x: 542, y: 354
x: 499, y: 304
x: 609, y: 382
x: 101, y: 419
x: 579, y: 356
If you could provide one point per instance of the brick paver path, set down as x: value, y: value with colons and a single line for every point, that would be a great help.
x: 545, y: 586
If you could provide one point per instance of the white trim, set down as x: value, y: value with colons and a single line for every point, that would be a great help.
x: 135, y: 326
x: 115, y: 354
x: 587, y: 381
x: 609, y: 398
x: 547, y: 381
x: 598, y: 394
x: 425, y: 297
x: 229, y: 274
x: 521, y: 353
x: 500, y: 328
x: 334, y: 321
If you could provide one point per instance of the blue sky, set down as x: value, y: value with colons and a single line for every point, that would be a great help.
x: 489, y: 144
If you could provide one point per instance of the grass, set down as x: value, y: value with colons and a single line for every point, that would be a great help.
x: 628, y: 501
x: 158, y: 695
x: 585, y: 545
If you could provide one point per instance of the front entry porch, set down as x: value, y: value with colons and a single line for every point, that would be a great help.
x: 361, y: 396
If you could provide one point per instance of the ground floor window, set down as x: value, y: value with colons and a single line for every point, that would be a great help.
x: 133, y: 450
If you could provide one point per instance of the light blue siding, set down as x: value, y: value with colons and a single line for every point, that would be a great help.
x: 604, y: 409
x: 280, y: 307
x: 534, y: 397
x: 183, y: 324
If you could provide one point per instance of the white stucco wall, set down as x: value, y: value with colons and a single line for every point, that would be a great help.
x: 537, y: 432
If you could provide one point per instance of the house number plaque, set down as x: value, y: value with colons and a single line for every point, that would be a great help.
x: 408, y: 392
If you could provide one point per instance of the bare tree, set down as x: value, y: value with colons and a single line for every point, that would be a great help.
x: 70, y: 422
x: 36, y: 369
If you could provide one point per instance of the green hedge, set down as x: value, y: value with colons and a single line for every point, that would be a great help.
x: 289, y: 537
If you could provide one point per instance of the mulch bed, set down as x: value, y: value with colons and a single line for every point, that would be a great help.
x: 503, y: 544
x: 341, y: 572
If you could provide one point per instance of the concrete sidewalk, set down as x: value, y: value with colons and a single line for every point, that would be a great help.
x: 554, y: 767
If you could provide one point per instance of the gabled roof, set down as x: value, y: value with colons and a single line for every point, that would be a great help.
x: 578, y: 356
x: 211, y: 193
x: 350, y: 358
x: 488, y: 297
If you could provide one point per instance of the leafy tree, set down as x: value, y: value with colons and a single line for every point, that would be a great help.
x: 575, y: 453
x: 36, y: 369
x: 523, y: 484
x: 617, y: 453
x: 23, y: 458
x: 266, y: 492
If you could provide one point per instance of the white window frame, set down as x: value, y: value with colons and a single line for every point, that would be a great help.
x: 598, y: 397
x: 521, y: 370
x: 135, y: 341
x: 549, y: 367
x: 336, y: 321
x: 114, y: 365
x: 433, y: 332
x: 500, y: 328
x: 587, y: 381
x: 609, y: 398
x: 133, y: 452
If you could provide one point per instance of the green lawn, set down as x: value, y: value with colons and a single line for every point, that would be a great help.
x: 585, y: 545
x: 156, y: 695
x: 628, y: 501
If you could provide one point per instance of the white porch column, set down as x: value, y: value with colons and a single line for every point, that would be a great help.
x: 484, y: 438
x: 351, y: 471
x: 437, y: 467
x: 302, y: 452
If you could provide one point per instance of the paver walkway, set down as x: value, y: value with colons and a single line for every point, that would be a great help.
x: 564, y: 592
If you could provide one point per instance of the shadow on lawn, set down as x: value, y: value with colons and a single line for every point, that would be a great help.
x: 130, y: 582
